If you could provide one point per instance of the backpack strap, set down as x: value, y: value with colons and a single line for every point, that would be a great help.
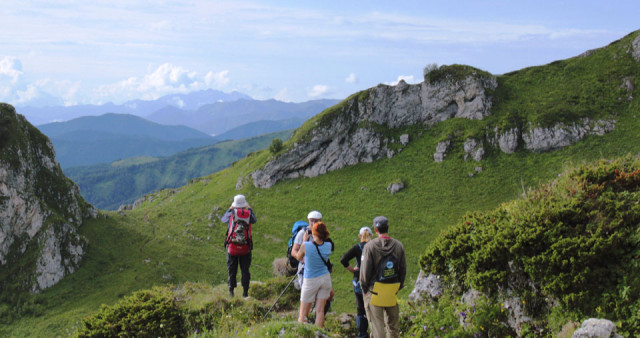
x: 329, y: 267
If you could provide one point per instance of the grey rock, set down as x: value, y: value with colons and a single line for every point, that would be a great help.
x: 441, y: 151
x: 546, y: 139
x: 395, y: 187
x: 596, y: 328
x: 426, y: 287
x: 473, y: 149
x: 404, y: 139
x: 239, y: 183
x: 346, y: 140
x: 40, y: 216
x: 507, y: 141
x: 636, y: 48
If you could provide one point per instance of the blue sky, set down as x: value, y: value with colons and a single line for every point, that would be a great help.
x: 77, y: 52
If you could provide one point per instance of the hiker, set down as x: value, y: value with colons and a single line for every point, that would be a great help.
x: 383, y: 268
x: 317, y: 272
x: 365, y: 235
x: 312, y: 217
x: 292, y: 262
x: 239, y: 242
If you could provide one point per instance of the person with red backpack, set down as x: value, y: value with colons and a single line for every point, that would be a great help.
x: 239, y: 242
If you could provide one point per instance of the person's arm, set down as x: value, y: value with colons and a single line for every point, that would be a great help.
x: 252, y: 218
x: 300, y: 254
x: 297, y: 242
x: 348, y: 256
x: 226, y: 217
x: 366, y: 268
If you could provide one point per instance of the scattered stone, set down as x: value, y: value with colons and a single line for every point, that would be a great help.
x: 404, y: 139
x: 239, y: 184
x: 441, y: 150
x: 395, y: 187
x: 596, y: 328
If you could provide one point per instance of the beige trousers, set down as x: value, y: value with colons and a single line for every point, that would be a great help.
x: 381, y: 318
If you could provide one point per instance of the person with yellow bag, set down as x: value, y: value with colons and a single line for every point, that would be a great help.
x: 383, y: 268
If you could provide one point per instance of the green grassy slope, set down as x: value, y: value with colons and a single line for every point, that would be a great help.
x: 108, y: 186
x: 172, y: 239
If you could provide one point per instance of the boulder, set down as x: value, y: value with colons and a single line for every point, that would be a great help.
x: 596, y: 328
x: 426, y: 287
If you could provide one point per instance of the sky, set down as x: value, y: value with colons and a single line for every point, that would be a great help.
x: 70, y: 52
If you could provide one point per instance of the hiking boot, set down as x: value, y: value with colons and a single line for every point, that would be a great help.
x: 230, y: 292
x: 245, y: 293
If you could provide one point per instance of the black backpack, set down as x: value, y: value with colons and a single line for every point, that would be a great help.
x: 388, y: 270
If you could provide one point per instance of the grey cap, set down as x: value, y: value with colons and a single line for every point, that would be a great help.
x: 380, y: 222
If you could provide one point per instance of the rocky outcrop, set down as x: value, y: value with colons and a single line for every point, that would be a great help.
x: 540, y: 139
x: 348, y: 134
x: 635, y: 46
x: 40, y: 209
x: 596, y: 328
x: 545, y: 139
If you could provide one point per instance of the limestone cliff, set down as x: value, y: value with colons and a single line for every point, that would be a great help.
x: 358, y: 129
x: 40, y: 209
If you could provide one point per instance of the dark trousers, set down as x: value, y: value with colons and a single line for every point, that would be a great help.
x: 232, y: 267
x: 361, y: 320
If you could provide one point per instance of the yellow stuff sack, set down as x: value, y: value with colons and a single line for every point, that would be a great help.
x: 384, y: 295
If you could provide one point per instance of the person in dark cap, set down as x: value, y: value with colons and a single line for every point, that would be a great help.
x: 383, y: 268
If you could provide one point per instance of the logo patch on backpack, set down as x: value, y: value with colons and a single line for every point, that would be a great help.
x: 388, y: 270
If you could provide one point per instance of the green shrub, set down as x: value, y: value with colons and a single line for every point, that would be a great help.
x: 573, y: 240
x: 276, y: 146
x: 147, y: 313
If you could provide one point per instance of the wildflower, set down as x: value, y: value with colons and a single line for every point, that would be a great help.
x: 441, y: 328
x: 161, y: 325
x: 424, y: 328
x: 462, y: 314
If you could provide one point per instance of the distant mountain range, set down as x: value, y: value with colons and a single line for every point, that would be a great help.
x: 216, y: 118
x: 109, y: 137
x: 190, y: 101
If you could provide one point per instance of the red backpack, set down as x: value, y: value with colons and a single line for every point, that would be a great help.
x: 239, y: 241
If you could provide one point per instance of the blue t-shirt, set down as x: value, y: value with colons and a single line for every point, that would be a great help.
x: 313, y: 264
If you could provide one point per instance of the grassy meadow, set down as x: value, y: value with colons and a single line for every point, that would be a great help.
x: 176, y: 237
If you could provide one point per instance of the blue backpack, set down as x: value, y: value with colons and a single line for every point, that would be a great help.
x: 297, y: 227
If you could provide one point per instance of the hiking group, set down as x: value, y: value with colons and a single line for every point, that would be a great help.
x: 378, y: 274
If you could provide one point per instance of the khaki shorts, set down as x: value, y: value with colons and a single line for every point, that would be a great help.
x: 318, y: 287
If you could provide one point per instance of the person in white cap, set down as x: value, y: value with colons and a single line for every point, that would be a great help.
x: 239, y: 242
x: 313, y: 217
x: 365, y: 235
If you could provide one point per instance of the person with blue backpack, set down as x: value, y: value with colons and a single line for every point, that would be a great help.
x: 365, y: 235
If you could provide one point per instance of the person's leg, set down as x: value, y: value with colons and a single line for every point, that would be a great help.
x: 245, y: 264
x: 232, y: 268
x: 320, y: 303
x: 391, y: 319
x: 376, y: 317
x: 304, y: 312
x: 361, y: 318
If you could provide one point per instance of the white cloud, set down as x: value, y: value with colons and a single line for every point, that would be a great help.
x: 218, y: 79
x: 351, y: 78
x: 406, y: 78
x: 166, y: 79
x: 318, y: 90
x: 11, y: 68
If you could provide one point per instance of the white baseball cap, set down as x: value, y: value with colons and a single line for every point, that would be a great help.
x: 314, y: 215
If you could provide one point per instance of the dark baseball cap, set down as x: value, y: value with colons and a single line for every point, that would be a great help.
x: 381, y: 222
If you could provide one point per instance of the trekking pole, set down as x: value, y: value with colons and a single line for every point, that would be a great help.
x: 282, y: 293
